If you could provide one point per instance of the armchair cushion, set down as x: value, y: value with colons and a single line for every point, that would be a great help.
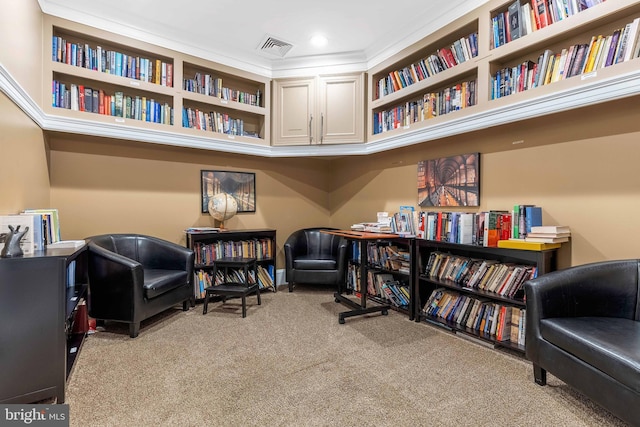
x: 609, y: 344
x: 315, y: 262
x: 157, y: 282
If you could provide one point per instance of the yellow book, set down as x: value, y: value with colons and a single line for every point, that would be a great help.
x: 593, y: 53
x: 527, y: 246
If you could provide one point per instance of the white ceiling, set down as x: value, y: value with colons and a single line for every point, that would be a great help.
x: 361, y: 33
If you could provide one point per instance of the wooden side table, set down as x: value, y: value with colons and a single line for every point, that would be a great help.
x: 233, y: 288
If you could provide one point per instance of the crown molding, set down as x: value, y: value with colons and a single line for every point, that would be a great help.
x: 589, y: 93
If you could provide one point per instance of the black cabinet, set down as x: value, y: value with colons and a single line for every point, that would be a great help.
x: 390, y: 273
x: 39, y: 295
x: 211, y: 245
x: 443, y: 289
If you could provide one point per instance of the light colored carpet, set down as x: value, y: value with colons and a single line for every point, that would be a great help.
x: 290, y: 363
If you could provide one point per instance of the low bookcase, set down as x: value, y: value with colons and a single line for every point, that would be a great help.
x: 41, y: 335
x: 211, y: 245
x: 390, y: 274
x: 447, y: 288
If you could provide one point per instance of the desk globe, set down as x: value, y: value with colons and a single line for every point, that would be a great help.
x: 222, y: 206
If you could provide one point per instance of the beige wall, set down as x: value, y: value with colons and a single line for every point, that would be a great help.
x: 24, y: 172
x: 580, y: 166
x: 103, y: 186
x: 21, y: 48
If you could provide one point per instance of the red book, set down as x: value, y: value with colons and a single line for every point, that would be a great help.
x: 81, y: 103
x: 541, y: 13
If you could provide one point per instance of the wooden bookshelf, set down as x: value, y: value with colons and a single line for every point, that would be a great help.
x: 600, y: 19
x: 243, y: 107
x: 485, y: 110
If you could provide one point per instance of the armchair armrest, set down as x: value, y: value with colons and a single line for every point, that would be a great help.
x: 115, y: 282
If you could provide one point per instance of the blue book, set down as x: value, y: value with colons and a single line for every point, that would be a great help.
x: 533, y: 217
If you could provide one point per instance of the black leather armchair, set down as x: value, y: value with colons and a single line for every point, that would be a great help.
x: 133, y: 277
x: 314, y: 257
x: 583, y: 326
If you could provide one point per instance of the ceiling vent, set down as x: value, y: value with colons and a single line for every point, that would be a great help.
x: 274, y: 47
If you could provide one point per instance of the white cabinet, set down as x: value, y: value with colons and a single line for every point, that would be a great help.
x: 318, y: 110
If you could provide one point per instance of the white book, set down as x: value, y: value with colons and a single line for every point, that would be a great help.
x: 632, y: 40
x: 67, y: 244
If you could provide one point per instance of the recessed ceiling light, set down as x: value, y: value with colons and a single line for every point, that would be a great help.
x: 319, y: 40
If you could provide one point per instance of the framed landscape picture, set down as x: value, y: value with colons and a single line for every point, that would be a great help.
x: 240, y: 185
x: 449, y: 181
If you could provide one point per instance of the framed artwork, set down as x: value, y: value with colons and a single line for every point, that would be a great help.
x: 449, y: 181
x: 240, y: 185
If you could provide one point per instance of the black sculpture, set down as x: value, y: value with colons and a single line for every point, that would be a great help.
x: 12, y: 242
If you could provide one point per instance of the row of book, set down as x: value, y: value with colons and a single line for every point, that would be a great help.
x: 81, y: 98
x: 521, y: 19
x: 389, y: 257
x: 470, y: 228
x: 496, y: 321
x: 112, y: 62
x: 43, y: 228
x: 601, y: 51
x: 385, y: 287
x: 206, y: 253
x: 213, y: 121
x: 204, y: 279
x: 396, y: 293
x: 505, y: 279
x: 432, y: 104
x: 212, y: 86
x: 447, y: 57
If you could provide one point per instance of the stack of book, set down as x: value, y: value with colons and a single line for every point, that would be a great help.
x: 549, y: 234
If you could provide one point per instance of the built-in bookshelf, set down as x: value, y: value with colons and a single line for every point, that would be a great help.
x: 91, y: 74
x: 521, y: 66
x: 476, y: 290
x: 580, y: 43
x: 209, y: 246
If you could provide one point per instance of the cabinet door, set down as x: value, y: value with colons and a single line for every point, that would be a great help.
x: 293, y: 112
x: 341, y: 105
x: 32, y: 338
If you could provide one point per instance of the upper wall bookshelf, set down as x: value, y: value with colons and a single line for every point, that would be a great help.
x: 495, y: 70
x: 146, y: 86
